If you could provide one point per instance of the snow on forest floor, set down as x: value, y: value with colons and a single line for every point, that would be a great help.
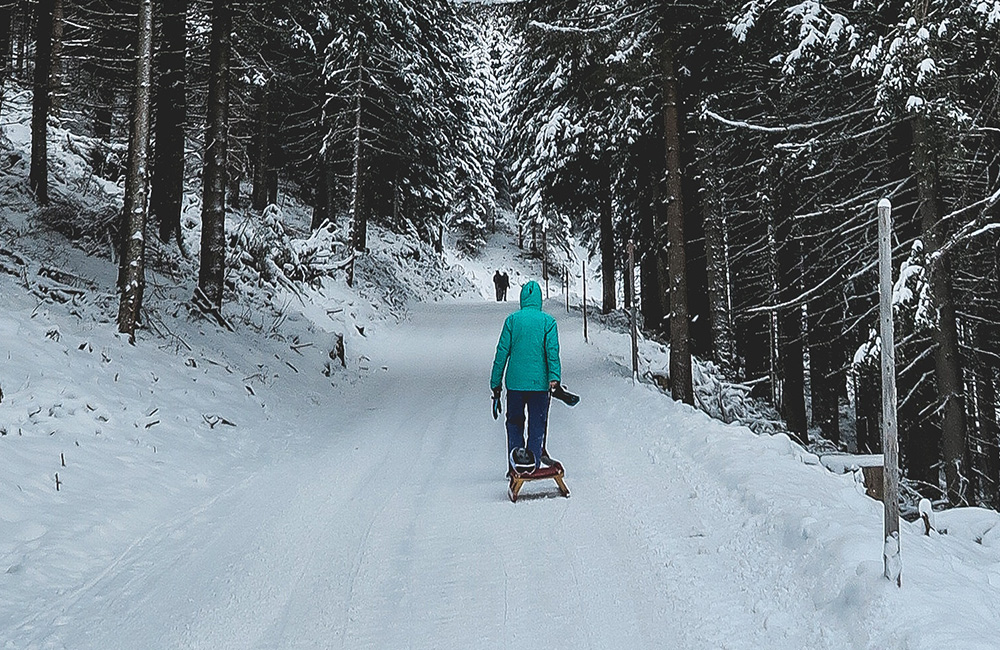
x: 244, y: 490
x: 228, y: 494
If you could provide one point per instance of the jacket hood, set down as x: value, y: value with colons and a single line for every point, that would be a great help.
x: 531, y: 295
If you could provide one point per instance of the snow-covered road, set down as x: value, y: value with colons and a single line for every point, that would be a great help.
x: 387, y: 525
x: 378, y: 518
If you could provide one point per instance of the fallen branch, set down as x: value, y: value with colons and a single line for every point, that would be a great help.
x: 213, y: 420
x: 205, y: 306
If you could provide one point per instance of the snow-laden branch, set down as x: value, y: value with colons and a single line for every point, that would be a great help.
x: 974, y: 228
x: 564, y: 29
x: 808, y: 294
x: 789, y: 128
x: 864, y: 197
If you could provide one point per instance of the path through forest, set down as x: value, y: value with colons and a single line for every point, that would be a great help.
x: 387, y: 525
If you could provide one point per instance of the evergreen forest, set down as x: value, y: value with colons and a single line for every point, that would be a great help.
x: 740, y: 147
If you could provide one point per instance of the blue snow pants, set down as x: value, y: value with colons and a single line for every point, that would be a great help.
x: 537, y: 404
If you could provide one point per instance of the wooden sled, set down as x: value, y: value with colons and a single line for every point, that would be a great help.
x: 555, y: 472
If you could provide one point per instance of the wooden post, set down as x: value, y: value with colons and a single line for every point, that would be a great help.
x: 890, y: 474
x: 567, y: 288
x: 585, y: 301
x: 635, y: 334
x: 545, y: 262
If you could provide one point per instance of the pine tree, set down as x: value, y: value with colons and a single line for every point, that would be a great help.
x: 395, y: 111
x: 171, y: 113
x: 6, y: 41
x: 559, y: 146
x: 45, y: 29
x: 476, y: 191
x: 213, y: 215
x: 133, y: 266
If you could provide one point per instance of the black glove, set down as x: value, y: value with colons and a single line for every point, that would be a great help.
x: 496, y: 403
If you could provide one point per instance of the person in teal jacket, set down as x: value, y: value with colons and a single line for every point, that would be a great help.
x: 529, y: 351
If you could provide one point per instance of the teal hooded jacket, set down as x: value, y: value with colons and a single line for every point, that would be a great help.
x: 528, y: 346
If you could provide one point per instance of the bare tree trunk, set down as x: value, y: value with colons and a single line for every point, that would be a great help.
x: 986, y: 399
x: 649, y: 281
x: 171, y: 113
x: 262, y: 159
x: 947, y: 358
x: 680, y: 351
x: 826, y: 336
x: 628, y: 283
x: 38, y: 177
x: 868, y: 418
x: 717, y: 262
x: 660, y: 246
x: 6, y: 40
x: 793, y: 404
x: 752, y: 327
x: 791, y: 348
x: 607, y: 245
x: 323, y: 196
x: 211, y: 274
x: 359, y: 224
x: 56, y: 74
x: 397, y: 199
x: 22, y: 44
x: 234, y: 176
x: 133, y: 266
x: 358, y: 220
x: 104, y: 111
x: 986, y: 394
x: 822, y: 384
x: 272, y: 181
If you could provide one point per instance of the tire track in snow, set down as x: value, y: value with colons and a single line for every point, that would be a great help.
x: 714, y: 556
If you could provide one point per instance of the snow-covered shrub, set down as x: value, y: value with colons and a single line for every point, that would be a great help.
x: 256, y: 250
x: 713, y: 393
x: 404, y: 269
x: 731, y: 402
x: 324, y: 252
x: 93, y: 227
x: 261, y: 251
x: 108, y: 159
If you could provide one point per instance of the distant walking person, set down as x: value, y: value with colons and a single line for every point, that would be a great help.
x: 504, y: 285
x: 497, y: 281
x: 529, y: 350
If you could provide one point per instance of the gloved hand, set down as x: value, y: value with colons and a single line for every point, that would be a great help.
x: 496, y: 403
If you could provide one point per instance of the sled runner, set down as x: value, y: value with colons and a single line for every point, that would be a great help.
x: 554, y: 472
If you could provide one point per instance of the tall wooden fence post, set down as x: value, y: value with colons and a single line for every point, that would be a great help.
x: 567, y: 288
x: 632, y: 323
x: 545, y: 262
x: 585, y: 301
x: 890, y: 471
